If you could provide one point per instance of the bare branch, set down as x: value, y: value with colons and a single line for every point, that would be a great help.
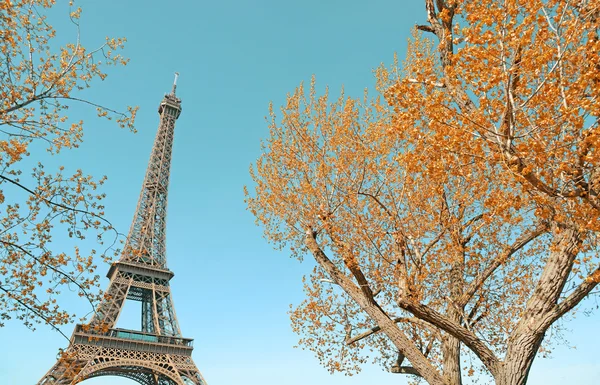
x: 405, y: 370
x: 425, y: 28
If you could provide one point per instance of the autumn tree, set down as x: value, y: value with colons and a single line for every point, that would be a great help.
x: 39, y: 81
x: 454, y: 219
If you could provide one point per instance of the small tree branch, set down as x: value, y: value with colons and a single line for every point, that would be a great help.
x: 377, y: 329
x: 427, y: 82
x: 35, y: 98
x: 499, y: 260
x: 53, y: 268
x: 54, y: 203
x: 425, y: 28
x: 34, y: 311
x: 405, y: 370
x: 575, y: 297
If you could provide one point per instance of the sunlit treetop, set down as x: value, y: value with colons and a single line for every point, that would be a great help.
x: 456, y: 215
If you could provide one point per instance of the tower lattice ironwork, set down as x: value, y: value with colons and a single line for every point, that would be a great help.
x: 157, y: 354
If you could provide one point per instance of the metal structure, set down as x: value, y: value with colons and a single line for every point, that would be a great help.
x: 157, y: 354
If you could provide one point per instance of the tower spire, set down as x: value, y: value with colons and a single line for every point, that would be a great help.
x: 147, y: 235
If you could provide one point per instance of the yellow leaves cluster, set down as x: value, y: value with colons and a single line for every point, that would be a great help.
x: 12, y: 150
x: 38, y: 84
x: 420, y: 192
x: 36, y: 94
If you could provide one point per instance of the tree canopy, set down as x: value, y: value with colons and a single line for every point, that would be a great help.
x: 39, y: 81
x: 458, y: 211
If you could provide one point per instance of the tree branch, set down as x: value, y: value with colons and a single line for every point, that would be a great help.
x: 424, y: 312
x: 407, y: 347
x: 425, y: 28
x: 575, y: 297
x: 405, y: 370
x: 427, y: 82
x: 34, y: 311
x: 53, y: 268
x: 54, y: 203
x: 35, y: 98
x: 499, y: 260
x: 377, y: 329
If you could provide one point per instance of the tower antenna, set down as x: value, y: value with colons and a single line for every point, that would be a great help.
x: 175, y: 83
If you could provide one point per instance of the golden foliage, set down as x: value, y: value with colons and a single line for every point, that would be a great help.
x: 463, y: 206
x: 38, y: 82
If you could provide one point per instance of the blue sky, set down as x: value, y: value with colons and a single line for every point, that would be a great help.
x: 231, y: 290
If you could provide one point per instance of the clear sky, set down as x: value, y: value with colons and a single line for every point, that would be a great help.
x: 231, y: 290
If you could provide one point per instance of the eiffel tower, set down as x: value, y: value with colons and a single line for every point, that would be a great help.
x: 157, y: 354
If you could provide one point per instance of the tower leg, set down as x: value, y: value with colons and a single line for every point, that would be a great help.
x: 66, y: 368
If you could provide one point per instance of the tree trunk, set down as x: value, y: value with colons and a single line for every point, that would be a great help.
x: 451, y: 344
x: 527, y: 337
x: 515, y: 370
x: 451, y: 360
